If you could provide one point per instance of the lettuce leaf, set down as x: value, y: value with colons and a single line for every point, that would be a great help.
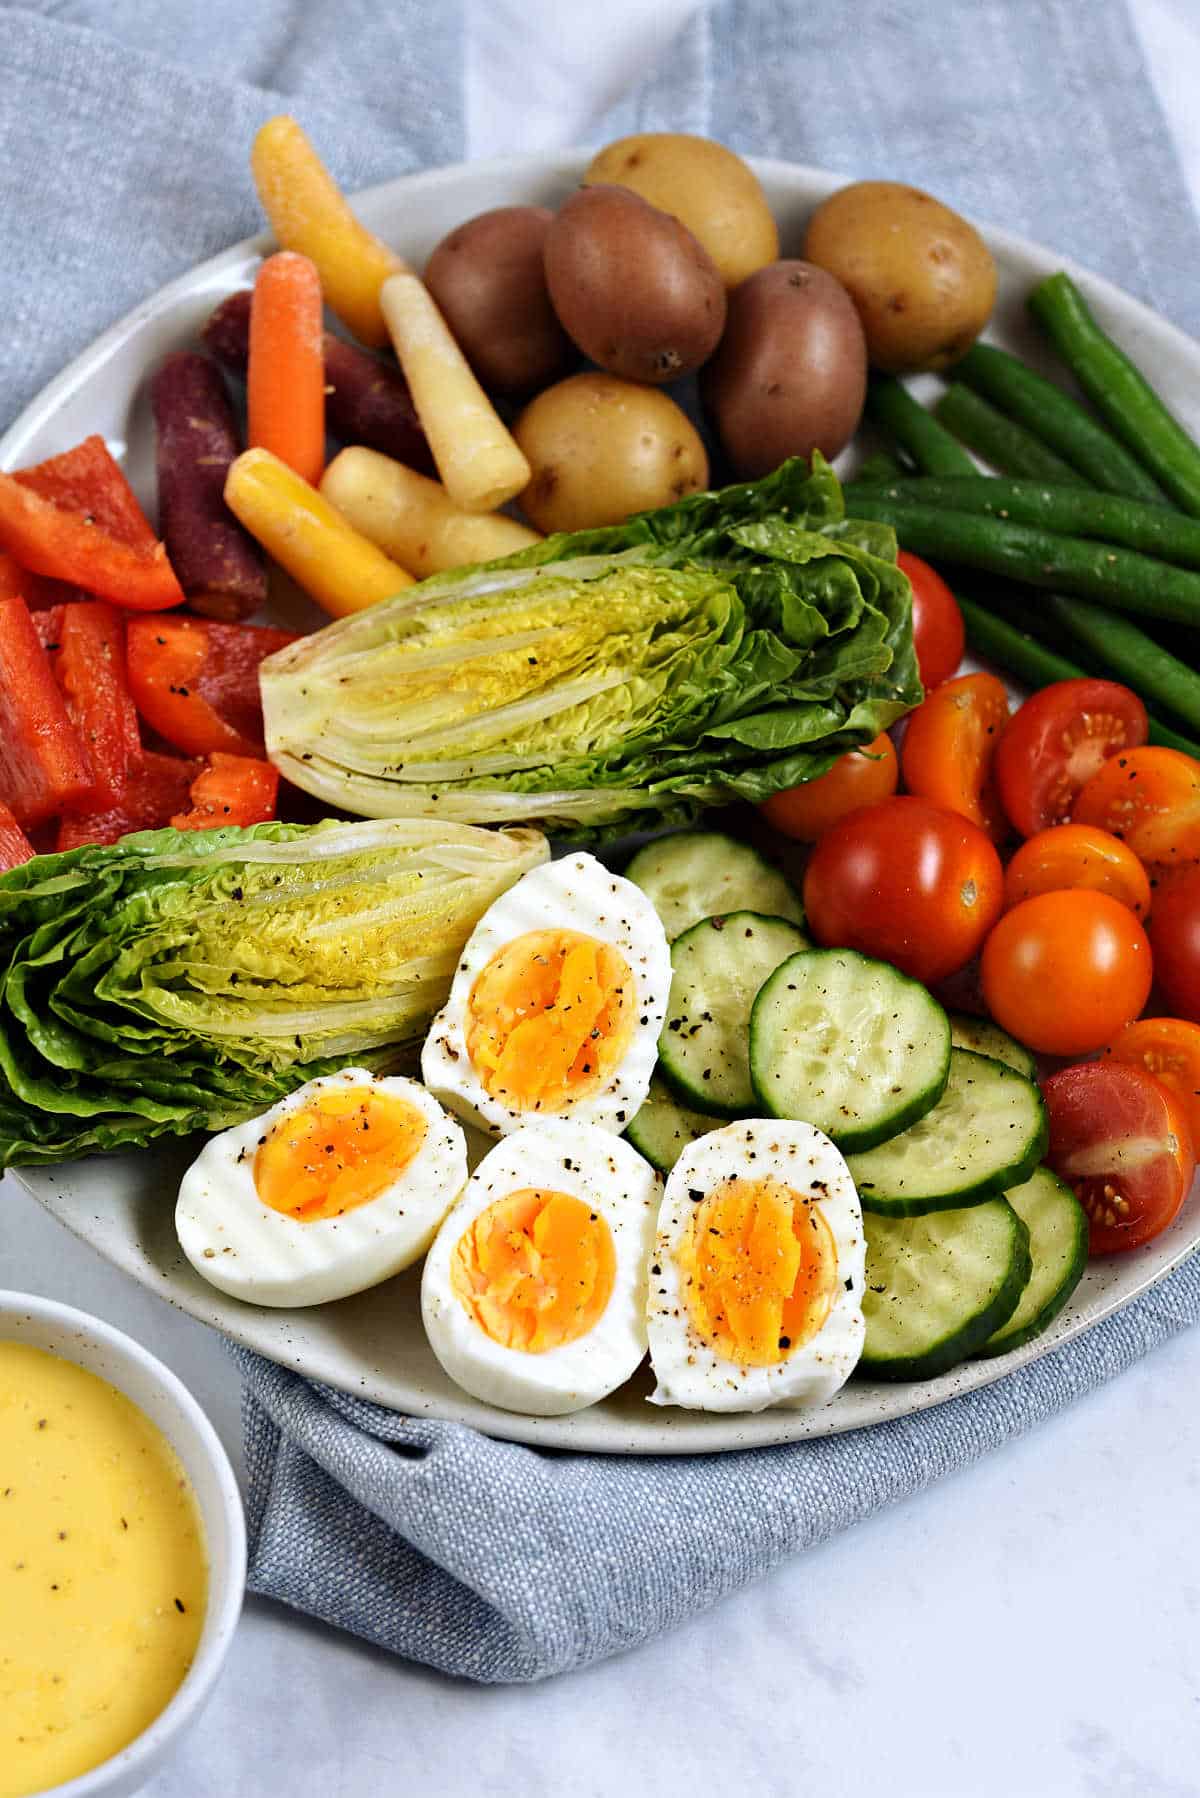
x: 720, y: 648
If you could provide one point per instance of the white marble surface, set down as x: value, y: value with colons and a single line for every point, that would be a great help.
x: 1027, y: 1629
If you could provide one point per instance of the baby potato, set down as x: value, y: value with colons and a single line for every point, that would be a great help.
x: 790, y: 375
x: 632, y: 287
x: 922, y: 278
x: 704, y: 185
x: 488, y: 280
x: 601, y: 448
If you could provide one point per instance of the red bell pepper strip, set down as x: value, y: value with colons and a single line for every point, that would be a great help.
x: 195, y: 681
x: 48, y: 624
x: 15, y: 846
x: 154, y: 792
x: 38, y: 593
x: 49, y: 540
x: 233, y: 789
x: 89, y: 665
x: 43, y: 769
x: 90, y: 480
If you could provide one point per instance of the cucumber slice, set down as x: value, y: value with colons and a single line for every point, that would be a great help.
x: 983, y: 1037
x: 663, y: 1127
x: 937, y: 1287
x: 716, y: 969
x: 987, y: 1133
x: 848, y: 1044
x: 1058, y: 1243
x: 703, y: 873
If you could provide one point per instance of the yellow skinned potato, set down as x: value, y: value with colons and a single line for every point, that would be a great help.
x: 704, y: 185
x: 601, y: 448
x: 922, y: 278
x: 413, y: 519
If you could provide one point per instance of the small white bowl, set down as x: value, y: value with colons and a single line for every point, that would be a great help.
x: 170, y: 1406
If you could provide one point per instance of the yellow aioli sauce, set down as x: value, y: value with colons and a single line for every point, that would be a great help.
x: 103, y: 1570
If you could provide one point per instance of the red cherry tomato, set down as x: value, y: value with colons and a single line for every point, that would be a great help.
x: 1065, y: 971
x: 860, y: 777
x: 950, y: 746
x: 939, y: 637
x: 1175, y: 940
x: 1150, y: 798
x: 1120, y: 1139
x: 907, y: 881
x: 1077, y: 855
x: 1056, y: 741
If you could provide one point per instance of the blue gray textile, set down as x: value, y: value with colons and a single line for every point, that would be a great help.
x: 123, y: 137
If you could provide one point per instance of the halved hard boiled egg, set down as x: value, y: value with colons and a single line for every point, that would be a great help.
x: 557, y: 1004
x: 339, y: 1186
x: 534, y: 1292
x: 756, y: 1281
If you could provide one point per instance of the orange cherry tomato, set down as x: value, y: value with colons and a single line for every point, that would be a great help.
x: 1064, y: 972
x: 1150, y: 798
x: 860, y: 777
x: 1077, y: 855
x: 939, y: 636
x: 1168, y: 1048
x: 1120, y: 1139
x: 950, y: 744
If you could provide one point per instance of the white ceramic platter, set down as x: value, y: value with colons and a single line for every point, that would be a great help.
x: 374, y: 1345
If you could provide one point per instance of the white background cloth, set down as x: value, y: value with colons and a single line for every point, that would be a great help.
x: 1026, y: 1628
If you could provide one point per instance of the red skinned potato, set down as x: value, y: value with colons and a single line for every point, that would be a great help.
x: 632, y: 287
x: 489, y: 281
x: 790, y: 375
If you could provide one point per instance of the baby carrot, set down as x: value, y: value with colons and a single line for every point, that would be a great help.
x: 285, y: 376
x: 308, y: 212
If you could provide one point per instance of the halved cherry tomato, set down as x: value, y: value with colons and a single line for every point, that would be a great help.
x: 1175, y: 940
x: 907, y: 881
x: 1056, y: 741
x: 1168, y: 1048
x: 1150, y: 798
x: 939, y: 637
x: 195, y: 681
x: 1065, y: 972
x: 950, y: 745
x: 860, y: 777
x: 1120, y: 1139
x: 1077, y: 855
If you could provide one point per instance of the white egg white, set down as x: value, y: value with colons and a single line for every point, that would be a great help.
x: 256, y: 1253
x: 576, y: 893
x: 611, y: 1178
x: 690, y: 1372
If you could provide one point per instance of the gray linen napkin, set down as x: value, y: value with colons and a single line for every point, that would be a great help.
x: 123, y: 138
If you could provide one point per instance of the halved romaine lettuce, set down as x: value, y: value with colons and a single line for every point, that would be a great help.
x: 721, y: 648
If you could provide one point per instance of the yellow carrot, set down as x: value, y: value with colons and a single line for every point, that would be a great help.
x: 413, y: 518
x: 480, y: 465
x: 341, y: 569
x: 309, y: 213
x: 285, y: 375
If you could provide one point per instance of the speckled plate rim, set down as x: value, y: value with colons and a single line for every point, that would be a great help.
x: 106, y: 1202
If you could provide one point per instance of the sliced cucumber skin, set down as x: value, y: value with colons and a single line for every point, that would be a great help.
x: 695, y: 1038
x: 663, y: 1127
x: 969, y: 1189
x: 1038, y: 1189
x: 903, y: 1112
x: 975, y: 1328
x: 985, y: 1038
x: 741, y: 879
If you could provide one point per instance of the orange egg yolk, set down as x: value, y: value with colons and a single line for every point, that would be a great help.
x: 535, y: 1270
x: 339, y: 1151
x: 549, y: 1019
x: 760, y: 1271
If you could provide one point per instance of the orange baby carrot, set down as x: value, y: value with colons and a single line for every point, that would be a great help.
x: 285, y: 378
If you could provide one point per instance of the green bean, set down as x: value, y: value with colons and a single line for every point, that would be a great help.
x: 1166, y: 738
x: 999, y: 440
x: 931, y: 447
x: 1072, y: 510
x: 1132, y: 656
x: 1119, y: 390
x: 1120, y: 578
x: 879, y: 467
x: 1056, y: 419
